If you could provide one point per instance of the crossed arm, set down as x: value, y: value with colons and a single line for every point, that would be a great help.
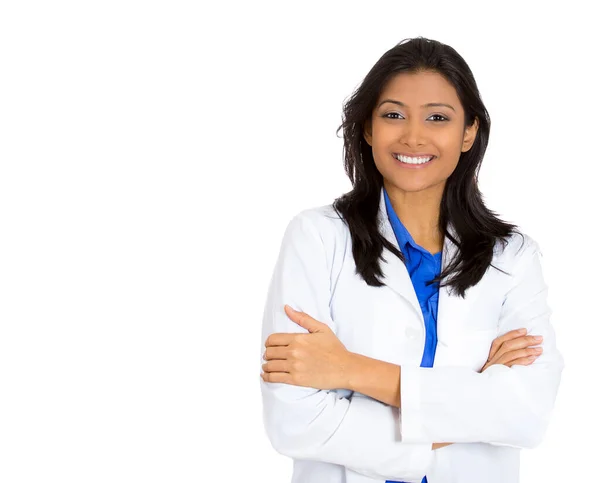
x: 502, y: 405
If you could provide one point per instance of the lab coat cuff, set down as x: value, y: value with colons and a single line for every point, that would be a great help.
x: 411, y: 428
x: 422, y: 458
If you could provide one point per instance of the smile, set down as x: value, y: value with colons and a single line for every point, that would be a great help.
x: 413, y: 162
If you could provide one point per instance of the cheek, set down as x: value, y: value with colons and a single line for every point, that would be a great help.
x: 446, y: 168
x: 384, y: 163
x: 449, y: 149
x: 449, y: 142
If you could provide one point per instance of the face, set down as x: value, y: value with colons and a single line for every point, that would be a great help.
x: 403, y: 124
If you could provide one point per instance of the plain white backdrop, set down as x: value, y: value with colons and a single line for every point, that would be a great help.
x: 151, y: 155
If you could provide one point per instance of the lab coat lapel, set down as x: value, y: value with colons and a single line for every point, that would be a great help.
x: 396, y: 275
x: 451, y: 308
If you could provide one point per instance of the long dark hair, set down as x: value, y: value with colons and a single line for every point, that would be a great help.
x: 477, y: 228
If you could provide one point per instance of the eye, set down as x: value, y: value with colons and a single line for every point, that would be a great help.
x: 443, y: 118
x: 390, y: 114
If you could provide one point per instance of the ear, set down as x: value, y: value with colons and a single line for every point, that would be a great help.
x: 367, y: 133
x: 470, y: 135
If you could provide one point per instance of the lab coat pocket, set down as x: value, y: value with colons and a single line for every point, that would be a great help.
x: 469, y: 348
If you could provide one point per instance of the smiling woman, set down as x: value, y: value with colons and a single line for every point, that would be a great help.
x: 398, y: 131
x: 411, y: 354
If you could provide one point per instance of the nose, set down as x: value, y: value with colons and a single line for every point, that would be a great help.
x: 413, y: 133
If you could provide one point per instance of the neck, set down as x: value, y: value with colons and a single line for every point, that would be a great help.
x: 419, y: 212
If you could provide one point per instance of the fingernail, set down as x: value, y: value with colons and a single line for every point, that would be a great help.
x: 522, y: 331
x: 538, y: 338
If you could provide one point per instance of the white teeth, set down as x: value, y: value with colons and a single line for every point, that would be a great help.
x: 411, y: 160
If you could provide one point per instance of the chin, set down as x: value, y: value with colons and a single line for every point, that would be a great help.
x: 411, y: 186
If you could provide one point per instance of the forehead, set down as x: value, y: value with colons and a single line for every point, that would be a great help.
x: 420, y: 88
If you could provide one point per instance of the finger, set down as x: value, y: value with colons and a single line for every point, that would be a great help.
x: 514, y: 344
x: 503, y: 338
x: 304, y: 320
x: 283, y: 377
x: 281, y: 339
x: 517, y: 354
x: 276, y: 366
x: 273, y: 353
x: 512, y: 340
x: 522, y: 342
x: 523, y: 361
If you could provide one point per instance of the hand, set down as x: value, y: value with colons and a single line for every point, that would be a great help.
x: 317, y: 359
x: 514, y: 348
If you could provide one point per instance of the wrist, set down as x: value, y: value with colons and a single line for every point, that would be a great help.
x: 377, y: 379
x: 352, y: 370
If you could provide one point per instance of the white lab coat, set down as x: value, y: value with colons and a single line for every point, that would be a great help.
x: 336, y: 436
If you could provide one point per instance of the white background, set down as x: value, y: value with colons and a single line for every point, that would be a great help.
x: 151, y: 155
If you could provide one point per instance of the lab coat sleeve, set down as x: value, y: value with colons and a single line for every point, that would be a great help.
x: 359, y: 433
x: 506, y: 406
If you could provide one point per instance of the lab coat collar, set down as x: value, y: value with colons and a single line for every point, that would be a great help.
x: 397, y: 278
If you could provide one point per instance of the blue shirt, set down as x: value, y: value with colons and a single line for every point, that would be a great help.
x: 422, y: 266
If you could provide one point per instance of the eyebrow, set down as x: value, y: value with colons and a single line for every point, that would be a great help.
x: 430, y: 104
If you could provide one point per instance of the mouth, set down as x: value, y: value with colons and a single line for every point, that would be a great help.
x: 413, y: 161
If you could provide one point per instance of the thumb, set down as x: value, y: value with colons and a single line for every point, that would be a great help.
x: 304, y: 320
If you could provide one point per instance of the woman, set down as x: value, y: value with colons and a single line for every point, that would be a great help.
x: 407, y: 269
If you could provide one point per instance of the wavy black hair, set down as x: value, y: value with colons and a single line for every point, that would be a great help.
x: 477, y: 228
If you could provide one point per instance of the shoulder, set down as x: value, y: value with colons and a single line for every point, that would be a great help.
x: 322, y: 222
x: 318, y: 235
x: 519, y: 249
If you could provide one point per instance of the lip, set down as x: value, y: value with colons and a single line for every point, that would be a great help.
x: 413, y: 166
